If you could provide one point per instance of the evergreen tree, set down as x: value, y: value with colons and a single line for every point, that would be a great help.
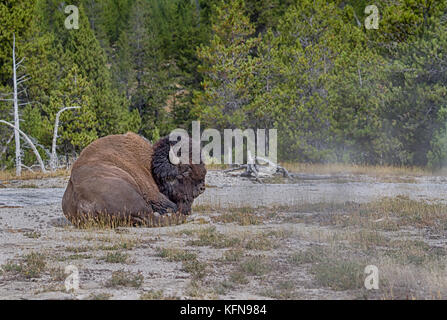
x: 78, y: 128
x: 228, y: 68
x: 145, y: 74
x: 114, y: 16
x: 15, y: 17
x: 82, y: 49
x: 335, y: 90
x: 417, y: 99
x: 308, y: 42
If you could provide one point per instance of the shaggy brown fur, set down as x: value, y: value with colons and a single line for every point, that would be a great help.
x: 125, y: 177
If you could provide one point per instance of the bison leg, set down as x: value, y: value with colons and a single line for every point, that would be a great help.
x: 163, y: 205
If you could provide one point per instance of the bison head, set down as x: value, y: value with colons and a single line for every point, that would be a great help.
x: 180, y: 183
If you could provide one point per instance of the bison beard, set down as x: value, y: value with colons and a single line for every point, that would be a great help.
x: 126, y: 178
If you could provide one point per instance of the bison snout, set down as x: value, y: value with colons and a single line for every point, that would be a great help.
x: 198, y: 191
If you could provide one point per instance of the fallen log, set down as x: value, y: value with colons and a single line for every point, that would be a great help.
x: 260, y: 167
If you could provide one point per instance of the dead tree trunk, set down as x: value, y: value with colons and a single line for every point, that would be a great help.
x: 279, y: 169
x: 28, y: 140
x: 15, y: 100
x: 16, y: 113
x: 253, y: 168
x: 53, y: 159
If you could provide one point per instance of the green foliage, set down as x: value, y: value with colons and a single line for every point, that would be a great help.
x: 334, y: 90
x: 437, y: 156
x: 310, y: 39
x: 356, y: 90
x: 15, y: 18
x: 403, y: 21
x: 78, y: 128
x: 113, y: 16
x: 228, y: 68
x: 417, y: 98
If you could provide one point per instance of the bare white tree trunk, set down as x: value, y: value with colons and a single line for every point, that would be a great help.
x: 53, y: 159
x: 16, y: 113
x: 28, y: 140
x: 15, y: 101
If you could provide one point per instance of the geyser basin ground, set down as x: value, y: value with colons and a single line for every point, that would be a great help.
x: 318, y: 231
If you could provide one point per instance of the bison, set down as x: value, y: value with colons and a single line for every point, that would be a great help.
x: 126, y: 178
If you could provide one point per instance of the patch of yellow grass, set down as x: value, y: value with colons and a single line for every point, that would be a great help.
x: 8, y: 175
x: 394, y: 213
x: 333, y: 168
x: 240, y: 218
x: 105, y: 221
x: 174, y: 254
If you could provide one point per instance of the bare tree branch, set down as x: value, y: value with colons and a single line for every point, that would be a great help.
x: 53, y: 159
x: 21, y: 81
x: 28, y: 140
x: 20, y: 62
x: 16, y: 112
x: 26, y: 167
x: 26, y: 103
x: 22, y: 77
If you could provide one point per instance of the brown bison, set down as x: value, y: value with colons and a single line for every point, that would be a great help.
x: 125, y: 177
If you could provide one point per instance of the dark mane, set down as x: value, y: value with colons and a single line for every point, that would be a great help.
x: 180, y: 183
x: 163, y: 170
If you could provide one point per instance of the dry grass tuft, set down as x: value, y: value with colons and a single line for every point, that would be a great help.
x: 116, y: 257
x: 9, y: 175
x: 189, y: 260
x: 233, y: 255
x: 106, y: 221
x: 152, y: 295
x: 240, y: 218
x: 100, y: 296
x: 123, y: 278
x: 195, y: 267
x: 394, y: 234
x: 212, y: 238
x: 172, y: 254
x: 390, y: 214
x: 283, y: 290
x: 255, y: 266
x: 331, y: 268
x: 72, y: 257
x: 32, y: 265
